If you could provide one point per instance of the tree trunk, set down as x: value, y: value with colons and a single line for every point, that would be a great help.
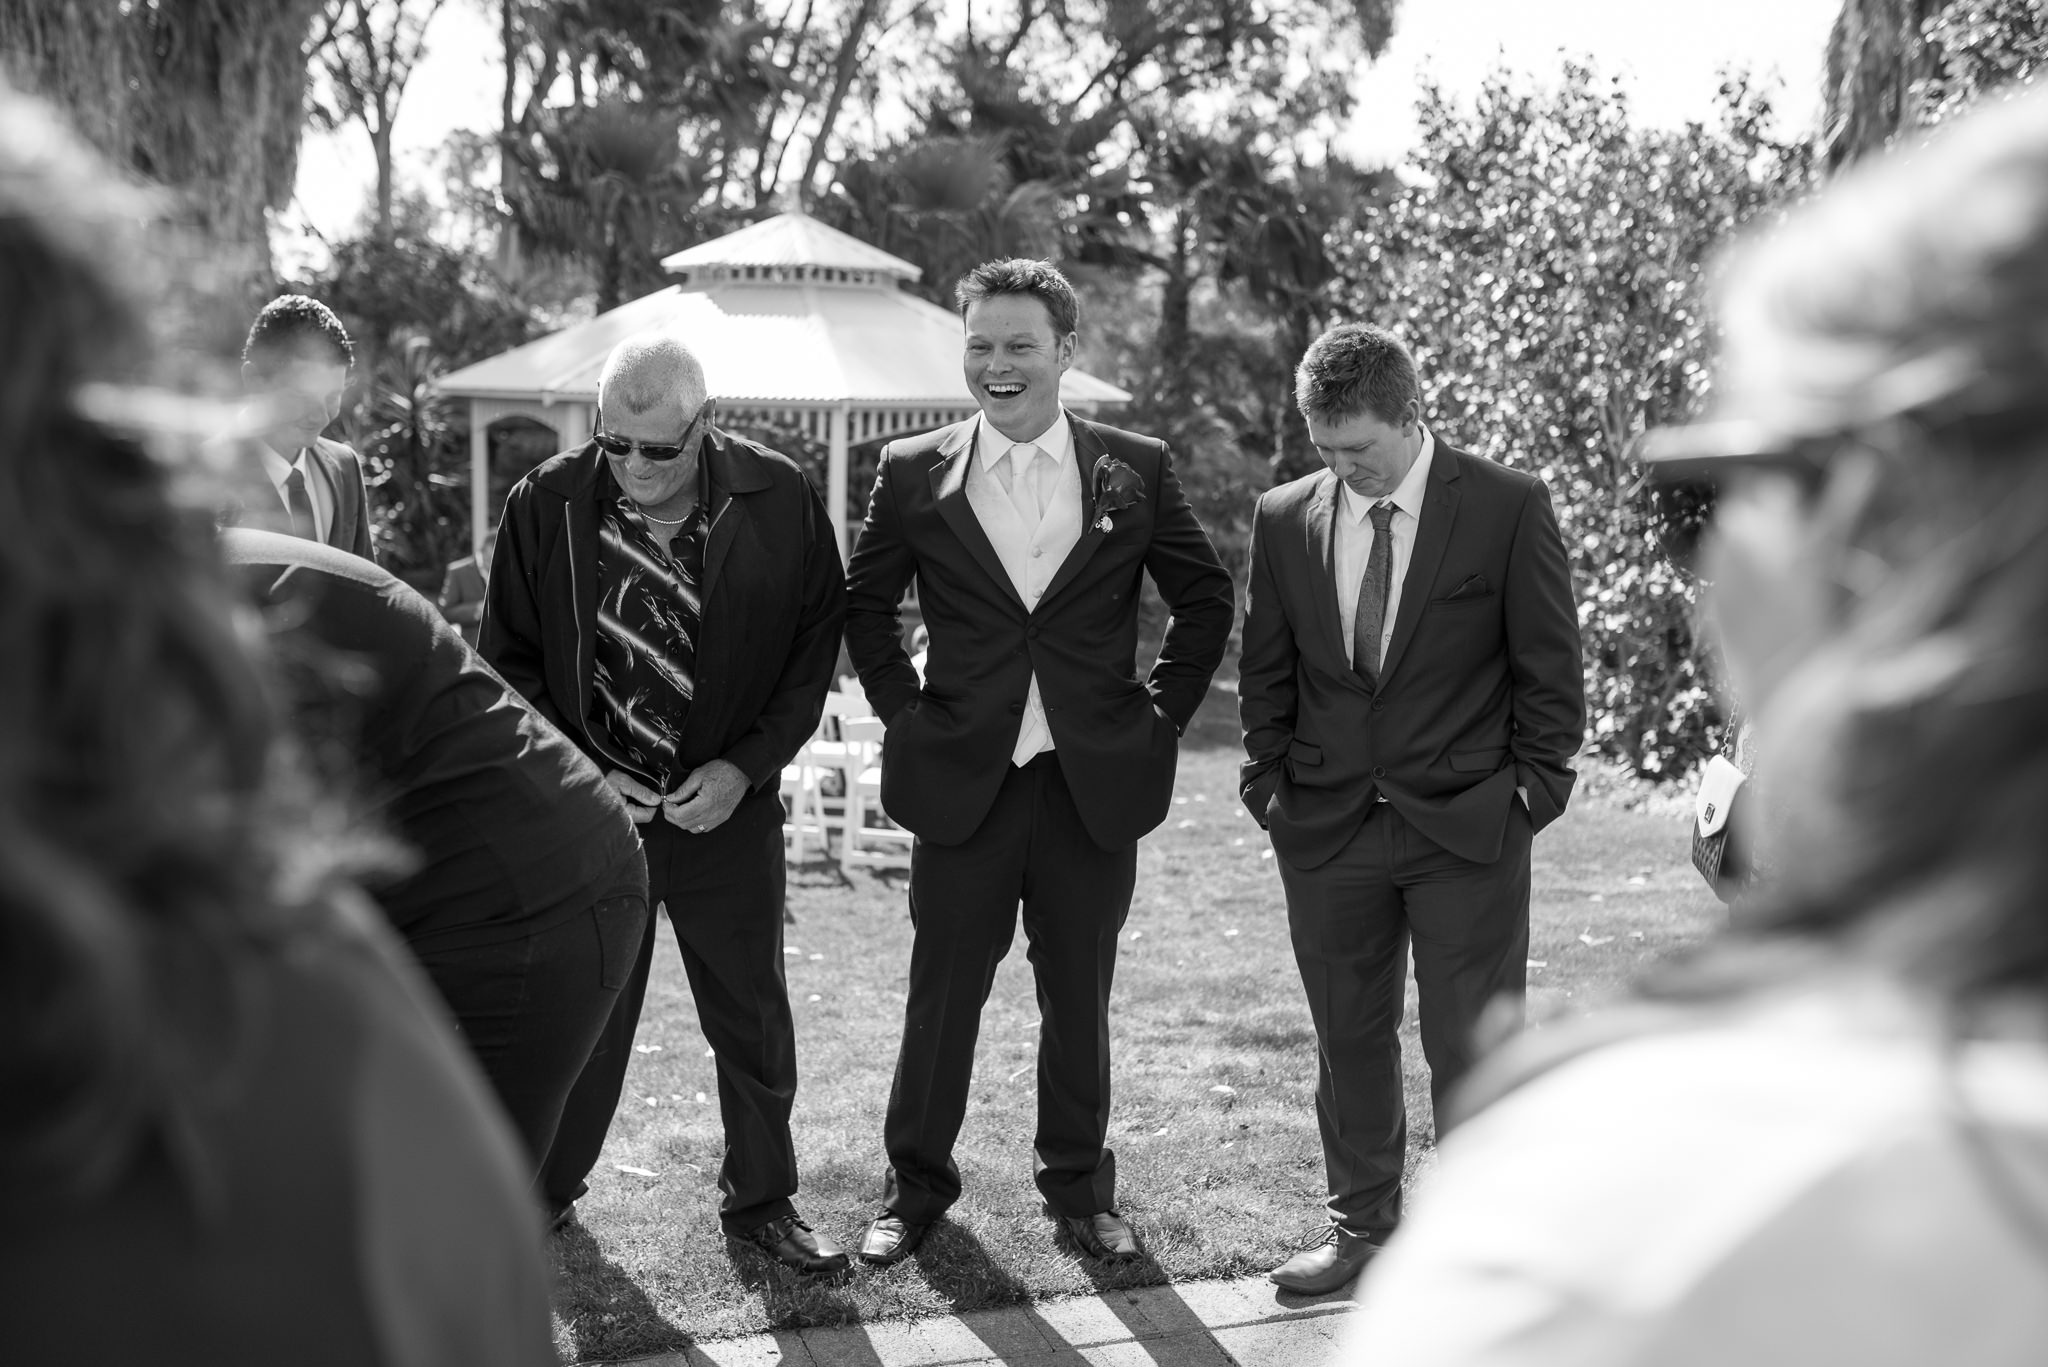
x: 510, y: 264
x: 380, y: 146
x: 1175, y: 301
x: 842, y: 79
x: 206, y: 97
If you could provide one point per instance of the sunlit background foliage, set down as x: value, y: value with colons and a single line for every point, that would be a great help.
x: 1541, y: 249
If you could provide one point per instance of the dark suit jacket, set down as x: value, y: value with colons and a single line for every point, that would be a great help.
x: 344, y: 471
x: 949, y: 741
x: 517, y: 830
x: 1480, y: 691
x: 774, y: 600
x: 338, y: 464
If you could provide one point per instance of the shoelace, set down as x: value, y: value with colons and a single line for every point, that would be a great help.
x: 1316, y: 1237
x: 775, y: 1231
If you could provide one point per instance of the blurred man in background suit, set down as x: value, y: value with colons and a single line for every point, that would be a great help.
x: 295, y: 368
x: 462, y: 588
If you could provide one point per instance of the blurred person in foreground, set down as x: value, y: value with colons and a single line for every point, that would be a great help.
x: 295, y: 368
x: 462, y: 587
x: 527, y: 901
x: 233, y: 1129
x: 1824, y: 1138
x: 1411, y: 699
x: 670, y: 596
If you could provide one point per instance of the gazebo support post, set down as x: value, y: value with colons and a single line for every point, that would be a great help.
x: 835, y: 476
x: 479, y: 474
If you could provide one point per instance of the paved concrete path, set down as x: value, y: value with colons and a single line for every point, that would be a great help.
x: 1247, y: 1323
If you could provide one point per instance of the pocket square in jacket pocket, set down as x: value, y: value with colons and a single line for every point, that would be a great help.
x: 1474, y: 586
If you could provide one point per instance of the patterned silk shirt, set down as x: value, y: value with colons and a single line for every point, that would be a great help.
x: 649, y: 610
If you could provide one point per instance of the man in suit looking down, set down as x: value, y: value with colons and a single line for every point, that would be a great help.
x: 1411, y: 700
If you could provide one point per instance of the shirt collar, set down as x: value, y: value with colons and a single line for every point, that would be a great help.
x: 277, y: 467
x: 1407, y: 495
x: 1056, y: 441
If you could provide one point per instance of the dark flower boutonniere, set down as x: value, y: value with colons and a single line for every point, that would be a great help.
x: 1117, y: 487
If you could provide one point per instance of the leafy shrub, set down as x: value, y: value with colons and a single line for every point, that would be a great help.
x: 1547, y: 263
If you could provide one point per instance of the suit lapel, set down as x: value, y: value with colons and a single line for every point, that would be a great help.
x: 949, y: 496
x: 1319, y: 548
x: 1089, y: 450
x: 1439, y: 511
x: 341, y: 532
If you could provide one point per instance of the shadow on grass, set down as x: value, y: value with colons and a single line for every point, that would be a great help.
x: 788, y: 1297
x: 960, y: 1271
x: 615, y: 1318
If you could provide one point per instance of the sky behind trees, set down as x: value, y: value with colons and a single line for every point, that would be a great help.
x: 1669, y: 55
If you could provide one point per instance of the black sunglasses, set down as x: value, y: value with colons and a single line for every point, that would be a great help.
x: 614, y: 445
x: 1685, y: 470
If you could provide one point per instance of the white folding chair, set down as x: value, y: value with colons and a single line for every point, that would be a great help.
x: 869, y: 838
x: 803, y: 792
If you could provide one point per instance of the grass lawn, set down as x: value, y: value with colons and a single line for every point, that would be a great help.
x: 1214, y: 1126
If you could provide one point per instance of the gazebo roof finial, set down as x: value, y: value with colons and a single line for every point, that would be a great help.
x: 790, y: 246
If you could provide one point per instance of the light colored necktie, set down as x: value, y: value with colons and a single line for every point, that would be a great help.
x: 1369, y: 622
x: 1024, y: 471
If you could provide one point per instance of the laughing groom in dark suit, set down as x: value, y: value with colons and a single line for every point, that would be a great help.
x: 1411, y: 700
x: 1032, y: 758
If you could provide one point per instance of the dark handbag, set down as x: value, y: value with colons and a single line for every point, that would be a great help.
x: 1720, y: 850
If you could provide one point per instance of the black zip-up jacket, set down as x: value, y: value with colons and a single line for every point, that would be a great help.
x: 774, y: 602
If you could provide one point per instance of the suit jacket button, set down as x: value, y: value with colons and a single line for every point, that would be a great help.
x: 1378, y: 703
x: 1379, y: 771
x: 1031, y: 633
x: 1016, y: 709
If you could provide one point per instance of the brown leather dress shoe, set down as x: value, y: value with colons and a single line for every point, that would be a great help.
x: 1327, y: 1266
x: 790, y: 1242
x: 890, y: 1239
x: 1104, y: 1234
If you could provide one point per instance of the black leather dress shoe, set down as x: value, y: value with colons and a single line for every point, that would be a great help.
x: 1325, y: 1266
x: 790, y: 1242
x: 890, y: 1239
x: 1104, y: 1234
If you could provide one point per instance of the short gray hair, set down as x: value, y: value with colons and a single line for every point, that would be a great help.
x: 648, y: 368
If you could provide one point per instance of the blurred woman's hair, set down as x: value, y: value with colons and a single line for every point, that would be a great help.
x: 1899, y: 323
x: 142, y: 803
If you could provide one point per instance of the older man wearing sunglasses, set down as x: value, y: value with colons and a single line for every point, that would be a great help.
x: 670, y: 596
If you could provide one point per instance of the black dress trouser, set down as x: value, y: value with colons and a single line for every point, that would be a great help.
x: 724, y: 893
x: 530, y: 1008
x: 1353, y: 921
x: 964, y: 907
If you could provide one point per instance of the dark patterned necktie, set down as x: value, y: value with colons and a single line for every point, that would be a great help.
x: 1370, y: 620
x: 300, y: 505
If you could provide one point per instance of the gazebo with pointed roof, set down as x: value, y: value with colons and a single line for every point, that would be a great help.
x: 794, y: 322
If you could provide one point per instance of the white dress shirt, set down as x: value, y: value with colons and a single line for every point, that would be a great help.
x: 1351, y: 534
x: 317, y: 493
x: 1031, y: 555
